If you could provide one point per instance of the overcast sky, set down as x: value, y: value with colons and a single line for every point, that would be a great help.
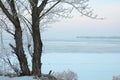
x: 84, y: 26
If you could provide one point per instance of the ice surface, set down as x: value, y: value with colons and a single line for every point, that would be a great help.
x: 82, y: 46
x: 91, y: 59
x: 87, y: 66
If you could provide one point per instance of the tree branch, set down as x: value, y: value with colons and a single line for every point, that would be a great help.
x: 6, y: 27
x: 12, y: 6
x: 49, y: 9
x: 16, y: 70
x: 24, y: 19
x: 42, y: 6
x: 25, y: 7
x: 84, y: 9
x: 6, y: 12
x: 14, y: 48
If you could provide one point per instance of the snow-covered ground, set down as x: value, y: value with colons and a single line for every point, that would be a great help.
x: 16, y: 78
x: 86, y: 66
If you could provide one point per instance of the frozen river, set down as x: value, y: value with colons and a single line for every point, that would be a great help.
x: 88, y: 66
x: 91, y: 59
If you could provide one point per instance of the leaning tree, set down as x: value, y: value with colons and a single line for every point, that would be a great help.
x: 34, y: 15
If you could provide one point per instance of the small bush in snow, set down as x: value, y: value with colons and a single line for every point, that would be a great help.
x: 66, y: 75
x: 116, y: 77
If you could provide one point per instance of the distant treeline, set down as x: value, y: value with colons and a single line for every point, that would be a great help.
x: 99, y: 37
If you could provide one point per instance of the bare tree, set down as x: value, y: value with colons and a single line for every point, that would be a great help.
x: 18, y: 49
x: 32, y: 14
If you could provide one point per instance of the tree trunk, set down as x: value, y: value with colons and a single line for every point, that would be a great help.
x: 36, y: 60
x: 19, y: 49
x: 20, y: 52
x: 18, y: 36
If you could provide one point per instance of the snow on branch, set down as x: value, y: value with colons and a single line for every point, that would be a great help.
x: 82, y: 7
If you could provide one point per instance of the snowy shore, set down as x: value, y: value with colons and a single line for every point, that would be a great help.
x: 94, y: 66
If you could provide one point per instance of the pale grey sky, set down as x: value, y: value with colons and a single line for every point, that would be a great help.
x: 84, y: 26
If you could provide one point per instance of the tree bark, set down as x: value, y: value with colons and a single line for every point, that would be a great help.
x: 18, y: 37
x: 20, y: 52
x: 36, y: 60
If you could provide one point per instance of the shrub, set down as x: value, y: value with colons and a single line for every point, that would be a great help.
x: 66, y: 75
x: 116, y: 77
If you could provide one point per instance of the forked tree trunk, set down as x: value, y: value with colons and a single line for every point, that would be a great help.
x: 18, y: 37
x: 36, y: 60
x: 20, y: 52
